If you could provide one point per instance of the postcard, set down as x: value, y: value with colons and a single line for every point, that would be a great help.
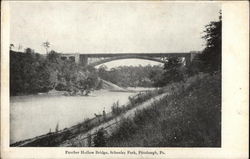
x: 124, y: 79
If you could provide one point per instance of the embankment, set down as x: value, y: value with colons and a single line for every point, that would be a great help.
x: 189, y: 117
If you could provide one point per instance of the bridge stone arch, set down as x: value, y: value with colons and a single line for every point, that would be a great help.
x: 97, y: 59
x: 125, y: 57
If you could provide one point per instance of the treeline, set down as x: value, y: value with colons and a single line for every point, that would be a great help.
x: 131, y: 76
x: 31, y: 73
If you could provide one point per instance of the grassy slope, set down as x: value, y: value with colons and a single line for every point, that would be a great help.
x: 190, y: 117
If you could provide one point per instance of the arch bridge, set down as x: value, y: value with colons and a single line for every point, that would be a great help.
x: 101, y: 58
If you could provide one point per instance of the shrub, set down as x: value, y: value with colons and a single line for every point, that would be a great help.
x: 61, y: 87
x: 100, y: 138
x: 126, y: 129
x: 116, y: 109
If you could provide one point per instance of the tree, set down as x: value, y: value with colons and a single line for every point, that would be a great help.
x: 46, y: 45
x: 212, y: 53
x: 90, y: 83
x: 173, y: 73
x: 20, y: 47
x: 29, y: 50
x: 57, y: 127
x: 53, y: 57
x: 11, y: 46
x: 172, y: 63
x: 156, y: 76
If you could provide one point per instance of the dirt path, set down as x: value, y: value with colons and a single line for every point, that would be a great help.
x: 81, y: 139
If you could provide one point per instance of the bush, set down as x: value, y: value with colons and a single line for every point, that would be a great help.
x: 116, y: 109
x: 100, y: 138
x: 61, y: 87
x: 126, y: 129
x: 146, y: 116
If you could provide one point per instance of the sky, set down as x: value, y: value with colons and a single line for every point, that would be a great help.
x: 110, y: 27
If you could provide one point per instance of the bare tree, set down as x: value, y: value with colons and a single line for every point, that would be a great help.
x: 46, y: 45
x: 11, y: 46
x: 20, y: 47
x: 57, y: 127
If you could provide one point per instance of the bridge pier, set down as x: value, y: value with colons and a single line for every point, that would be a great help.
x: 77, y: 56
x: 188, y: 60
x: 83, y: 60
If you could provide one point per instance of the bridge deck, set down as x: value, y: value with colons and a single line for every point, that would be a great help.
x: 181, y: 54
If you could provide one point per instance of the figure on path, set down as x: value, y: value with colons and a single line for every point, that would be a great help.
x: 104, y: 114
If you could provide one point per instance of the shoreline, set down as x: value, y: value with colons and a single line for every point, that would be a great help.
x: 66, y: 129
x: 62, y: 93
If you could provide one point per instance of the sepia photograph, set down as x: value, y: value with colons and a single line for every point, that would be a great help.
x: 115, y: 74
x: 148, y: 78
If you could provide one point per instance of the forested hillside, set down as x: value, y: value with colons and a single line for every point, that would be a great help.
x: 31, y: 73
x: 131, y: 76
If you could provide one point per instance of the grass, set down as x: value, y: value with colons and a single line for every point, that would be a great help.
x: 134, y: 101
x: 189, y: 117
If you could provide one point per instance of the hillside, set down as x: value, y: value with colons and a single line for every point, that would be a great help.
x: 189, y: 117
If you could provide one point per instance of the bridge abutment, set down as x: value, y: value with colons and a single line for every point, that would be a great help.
x: 83, y: 60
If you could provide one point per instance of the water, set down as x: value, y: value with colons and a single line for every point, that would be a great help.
x: 35, y: 115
